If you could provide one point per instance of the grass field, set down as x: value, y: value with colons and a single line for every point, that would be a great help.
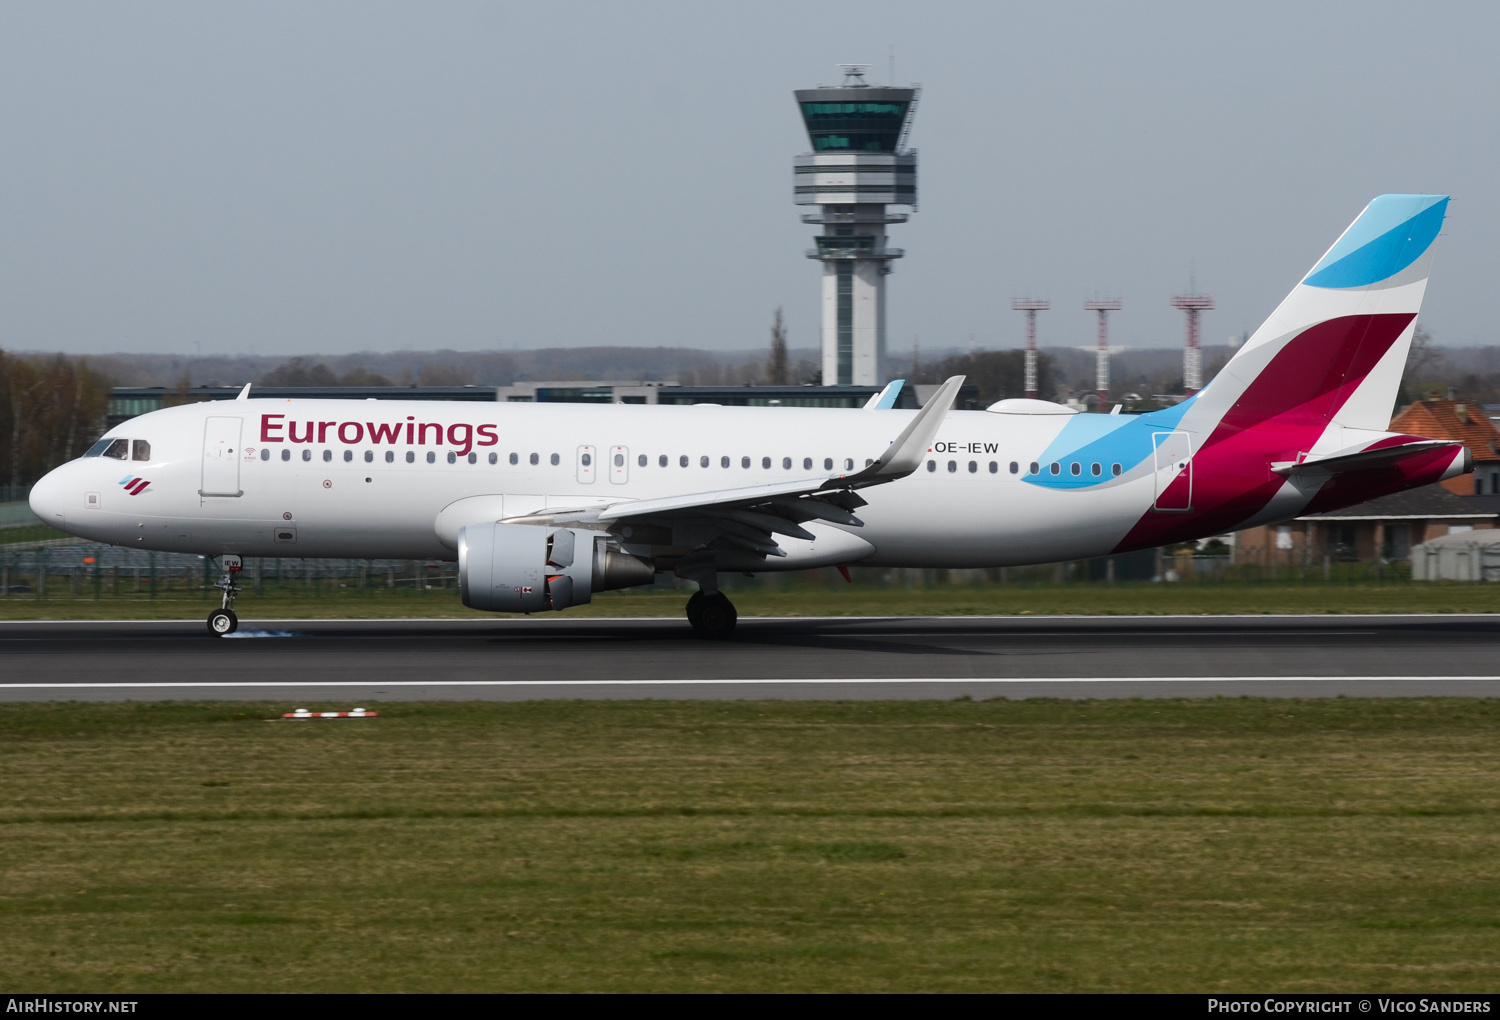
x: 831, y: 599
x: 1178, y: 846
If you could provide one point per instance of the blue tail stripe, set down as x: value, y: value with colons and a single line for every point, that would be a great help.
x: 1364, y: 256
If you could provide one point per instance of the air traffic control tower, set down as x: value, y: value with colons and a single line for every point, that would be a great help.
x: 858, y: 166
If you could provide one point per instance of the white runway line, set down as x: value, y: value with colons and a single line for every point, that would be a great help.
x: 275, y: 684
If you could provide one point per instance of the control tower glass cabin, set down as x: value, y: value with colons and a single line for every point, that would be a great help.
x: 856, y: 168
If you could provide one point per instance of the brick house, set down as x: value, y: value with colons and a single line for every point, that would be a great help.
x: 1383, y: 529
x: 1463, y: 422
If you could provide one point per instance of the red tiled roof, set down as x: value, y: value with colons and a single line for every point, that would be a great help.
x: 1459, y: 420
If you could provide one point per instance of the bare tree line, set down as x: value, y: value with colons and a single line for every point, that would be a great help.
x: 51, y: 409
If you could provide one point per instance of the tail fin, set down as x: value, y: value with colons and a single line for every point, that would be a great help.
x: 1334, y: 350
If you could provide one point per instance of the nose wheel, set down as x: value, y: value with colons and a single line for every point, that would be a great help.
x: 712, y: 616
x: 222, y: 621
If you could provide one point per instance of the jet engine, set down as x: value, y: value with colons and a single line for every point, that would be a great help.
x: 526, y: 568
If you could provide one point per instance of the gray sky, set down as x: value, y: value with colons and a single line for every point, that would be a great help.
x: 330, y: 177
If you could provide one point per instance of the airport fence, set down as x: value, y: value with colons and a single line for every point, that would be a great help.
x: 101, y: 571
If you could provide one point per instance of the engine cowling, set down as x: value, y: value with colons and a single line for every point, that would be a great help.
x: 526, y: 568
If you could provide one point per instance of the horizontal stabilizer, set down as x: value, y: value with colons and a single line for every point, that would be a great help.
x: 1343, y: 461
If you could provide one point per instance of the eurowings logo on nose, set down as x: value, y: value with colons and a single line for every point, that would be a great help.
x: 134, y: 484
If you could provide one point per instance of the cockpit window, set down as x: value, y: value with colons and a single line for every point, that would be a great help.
x: 98, y: 448
x: 140, y: 450
x: 119, y: 449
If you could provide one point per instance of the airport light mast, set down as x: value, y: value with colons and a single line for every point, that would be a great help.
x: 1192, y: 353
x: 1101, y: 359
x: 859, y: 164
x: 1030, y: 307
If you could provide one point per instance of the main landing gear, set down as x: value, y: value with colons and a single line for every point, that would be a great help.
x: 222, y: 620
x: 712, y: 616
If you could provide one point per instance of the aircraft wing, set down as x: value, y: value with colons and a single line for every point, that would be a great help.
x: 751, y: 517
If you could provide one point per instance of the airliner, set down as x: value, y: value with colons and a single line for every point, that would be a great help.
x: 542, y: 505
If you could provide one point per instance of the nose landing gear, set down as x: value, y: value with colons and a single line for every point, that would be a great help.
x: 222, y: 620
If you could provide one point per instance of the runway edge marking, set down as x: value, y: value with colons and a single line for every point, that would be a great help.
x: 280, y: 684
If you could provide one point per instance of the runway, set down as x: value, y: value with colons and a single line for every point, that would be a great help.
x: 824, y: 658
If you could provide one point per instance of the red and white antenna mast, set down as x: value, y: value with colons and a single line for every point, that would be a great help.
x: 1030, y: 307
x: 1101, y: 364
x: 1192, y: 355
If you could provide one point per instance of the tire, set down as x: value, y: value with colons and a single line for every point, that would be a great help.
x: 719, y: 617
x: 222, y: 622
x: 695, y: 610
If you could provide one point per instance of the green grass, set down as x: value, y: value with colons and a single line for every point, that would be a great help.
x: 1098, y: 846
x: 802, y: 599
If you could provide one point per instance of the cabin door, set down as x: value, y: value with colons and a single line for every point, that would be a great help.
x: 221, y: 457
x: 1174, y: 471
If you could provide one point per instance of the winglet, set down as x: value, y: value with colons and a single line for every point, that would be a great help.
x: 886, y: 398
x: 904, y: 455
x: 244, y: 393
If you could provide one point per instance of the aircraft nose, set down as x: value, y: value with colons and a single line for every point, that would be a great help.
x: 48, y: 497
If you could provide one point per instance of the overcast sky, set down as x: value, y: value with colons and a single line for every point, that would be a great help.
x: 332, y: 177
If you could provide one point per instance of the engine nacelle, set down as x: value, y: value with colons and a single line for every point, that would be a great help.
x: 527, y: 568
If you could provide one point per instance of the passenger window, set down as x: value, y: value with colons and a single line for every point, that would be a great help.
x: 140, y: 450
x: 515, y: 458
x: 682, y: 461
x: 827, y: 463
x: 973, y: 467
x: 1056, y: 468
x: 411, y: 457
x: 586, y: 460
x: 952, y: 466
x: 848, y: 463
x: 494, y: 458
x: 786, y: 463
x: 369, y: 456
x: 642, y: 460
x: 661, y: 461
x: 1076, y: 468
x: 431, y: 457
x: 535, y: 459
x: 286, y: 454
x: 390, y: 457
x: 1115, y: 470
x: 307, y: 455
x: 723, y: 462
x: 327, y: 455
x: 1014, y: 467
x: 348, y: 456
x: 473, y: 458
x: 868, y: 462
x: 556, y: 460
x: 1036, y: 469
x: 118, y: 450
x: 452, y: 457
x: 703, y: 462
x: 265, y: 454
x: 745, y: 462
x: 1096, y: 470
x: 806, y: 463
x: 932, y: 465
x: 765, y: 462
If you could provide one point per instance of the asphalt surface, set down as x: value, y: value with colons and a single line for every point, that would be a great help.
x: 828, y: 658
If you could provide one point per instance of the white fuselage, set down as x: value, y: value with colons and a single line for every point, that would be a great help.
x: 305, y: 478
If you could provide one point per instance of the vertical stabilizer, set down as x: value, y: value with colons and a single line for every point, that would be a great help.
x: 1334, y: 350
